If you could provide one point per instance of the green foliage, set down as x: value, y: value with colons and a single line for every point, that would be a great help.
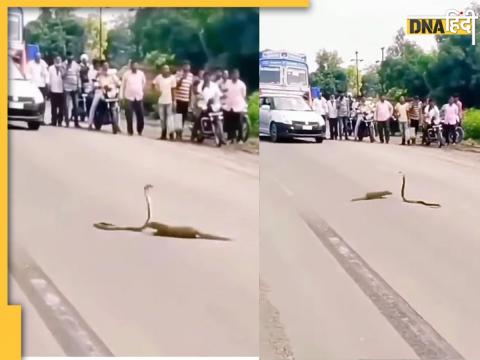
x: 156, y: 59
x: 56, y: 32
x: 371, y: 85
x: 394, y: 94
x: 205, y: 36
x: 472, y: 124
x: 150, y: 101
x: 329, y: 76
x: 92, y: 37
x: 253, y: 113
x: 453, y: 68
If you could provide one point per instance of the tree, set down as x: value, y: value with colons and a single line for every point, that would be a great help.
x: 456, y: 69
x: 92, y: 32
x: 351, y: 73
x: 56, y: 32
x: 405, y: 67
x: 371, y: 85
x: 120, y: 42
x: 207, y: 37
x: 328, y: 60
x: 329, y: 76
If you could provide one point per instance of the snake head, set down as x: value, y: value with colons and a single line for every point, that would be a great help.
x: 148, y: 187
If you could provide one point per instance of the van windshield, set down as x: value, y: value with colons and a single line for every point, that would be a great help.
x: 270, y: 75
x: 297, y: 76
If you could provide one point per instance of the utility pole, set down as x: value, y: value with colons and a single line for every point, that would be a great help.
x: 382, y: 86
x: 100, y: 36
x: 357, y: 60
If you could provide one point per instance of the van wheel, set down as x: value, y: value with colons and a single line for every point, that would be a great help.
x: 33, y: 125
x: 273, y: 133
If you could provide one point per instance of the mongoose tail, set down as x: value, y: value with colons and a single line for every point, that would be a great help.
x: 212, y: 237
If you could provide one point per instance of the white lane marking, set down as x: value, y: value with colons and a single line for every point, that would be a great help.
x: 424, y: 340
x: 284, y: 188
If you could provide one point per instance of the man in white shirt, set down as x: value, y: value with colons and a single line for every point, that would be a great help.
x: 383, y: 114
x: 71, y: 85
x: 56, y: 73
x: 133, y: 83
x: 37, y: 72
x: 332, y: 117
x: 235, y: 105
x: 165, y: 83
x: 401, y: 111
x: 320, y: 105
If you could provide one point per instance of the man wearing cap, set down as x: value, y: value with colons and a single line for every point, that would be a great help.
x: 37, y: 72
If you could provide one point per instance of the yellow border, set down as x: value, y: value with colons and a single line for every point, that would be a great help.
x: 163, y: 3
x: 10, y: 315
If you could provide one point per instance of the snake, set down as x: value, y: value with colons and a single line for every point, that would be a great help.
x: 185, y: 232
x: 432, y: 205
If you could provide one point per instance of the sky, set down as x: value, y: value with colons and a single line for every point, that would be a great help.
x: 347, y: 26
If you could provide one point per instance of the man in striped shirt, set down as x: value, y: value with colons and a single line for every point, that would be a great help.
x: 183, y: 91
x: 414, y: 115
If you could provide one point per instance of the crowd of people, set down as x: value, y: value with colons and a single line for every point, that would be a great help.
x: 181, y: 94
x: 342, y: 114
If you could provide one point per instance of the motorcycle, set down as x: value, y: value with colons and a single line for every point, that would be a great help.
x: 434, y: 134
x: 457, y: 136
x: 108, y: 111
x: 245, y: 127
x: 365, y: 126
x: 210, y: 125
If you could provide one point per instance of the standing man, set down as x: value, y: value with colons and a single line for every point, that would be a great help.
x: 401, y: 110
x: 415, y: 115
x: 166, y: 85
x: 451, y: 117
x: 343, y: 105
x: 55, y: 73
x: 133, y: 83
x: 37, y: 72
x: 333, y: 118
x: 235, y: 105
x: 183, y: 92
x: 71, y: 85
x: 459, y: 104
x: 320, y: 105
x: 383, y: 113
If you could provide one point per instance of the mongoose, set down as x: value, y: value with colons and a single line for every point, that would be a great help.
x: 164, y: 230
x: 373, y: 195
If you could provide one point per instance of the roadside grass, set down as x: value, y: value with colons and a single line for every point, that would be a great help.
x: 472, y: 125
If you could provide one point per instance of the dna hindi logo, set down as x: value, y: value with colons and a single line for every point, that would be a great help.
x: 453, y: 23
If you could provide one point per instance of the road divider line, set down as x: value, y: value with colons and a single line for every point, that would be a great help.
x: 425, y: 341
x: 69, y: 329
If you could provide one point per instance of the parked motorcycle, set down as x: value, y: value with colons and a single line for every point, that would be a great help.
x: 245, y: 127
x: 457, y: 136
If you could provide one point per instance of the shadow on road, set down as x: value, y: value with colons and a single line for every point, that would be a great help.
x: 16, y: 127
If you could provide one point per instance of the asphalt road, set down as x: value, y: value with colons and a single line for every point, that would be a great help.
x: 380, y: 279
x: 140, y: 295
